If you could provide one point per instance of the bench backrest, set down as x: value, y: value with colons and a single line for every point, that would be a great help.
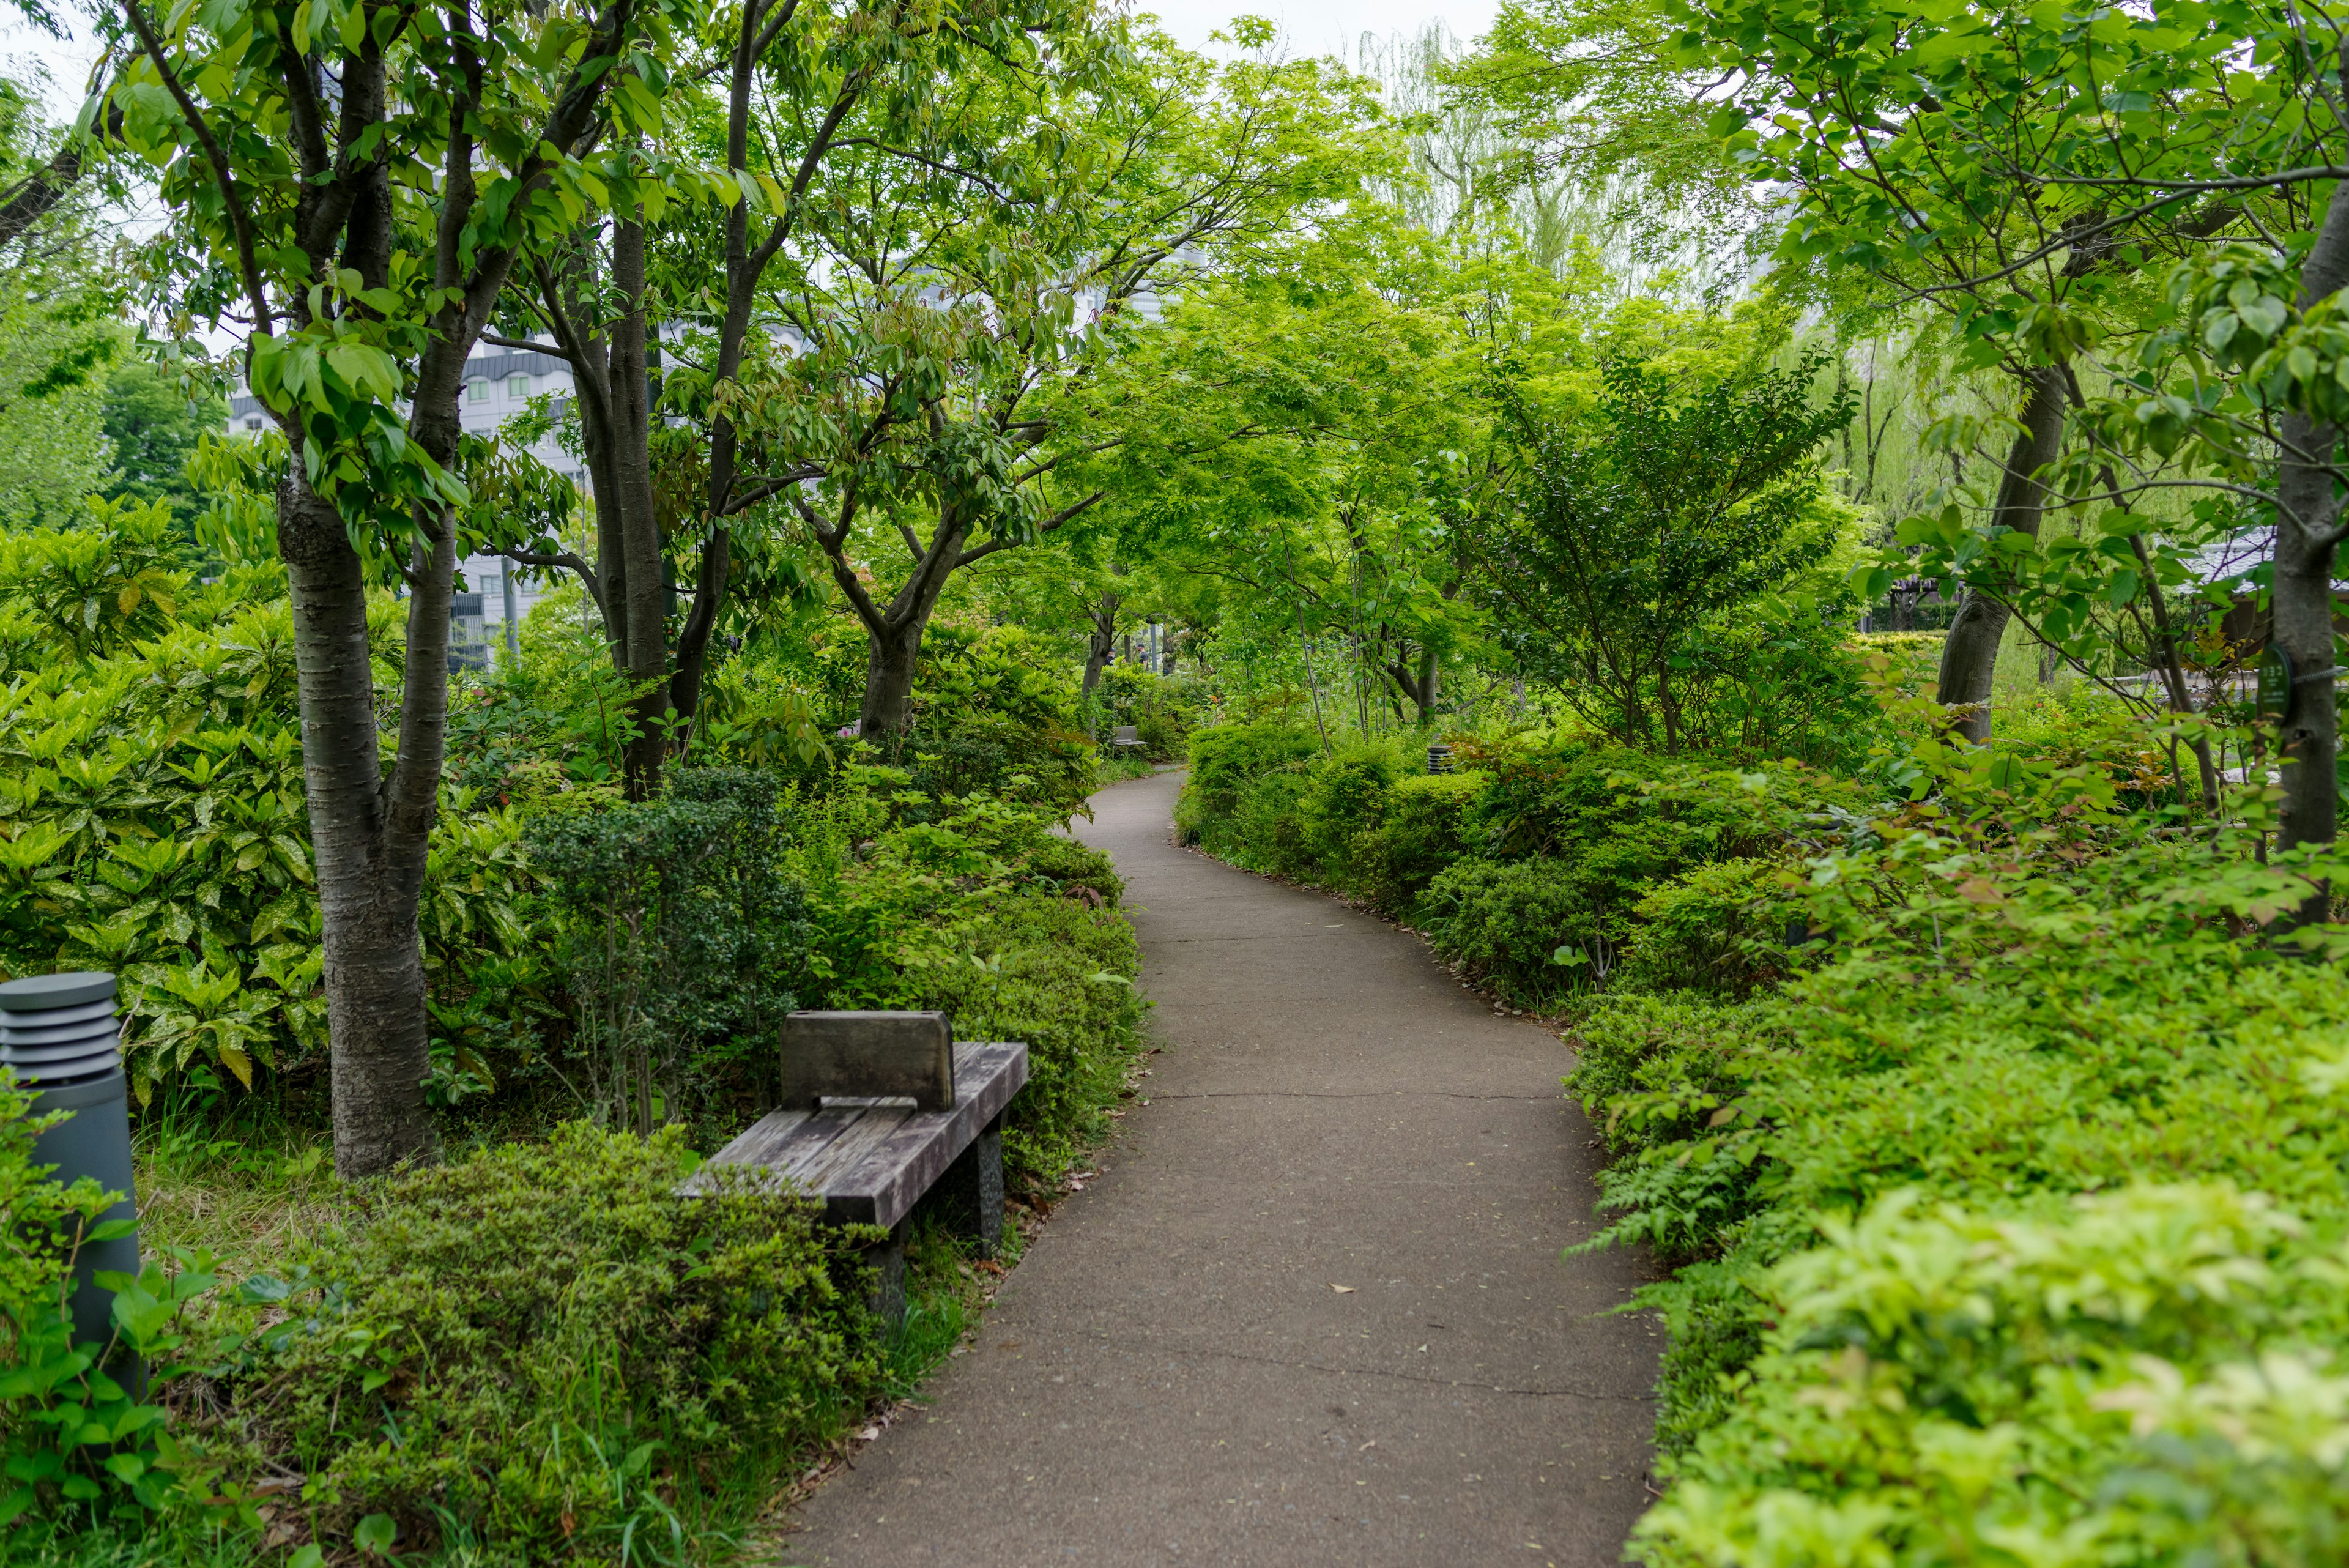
x: 1123, y: 735
x: 876, y: 1055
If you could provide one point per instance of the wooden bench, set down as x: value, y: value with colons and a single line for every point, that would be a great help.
x: 1126, y: 737
x: 878, y: 1109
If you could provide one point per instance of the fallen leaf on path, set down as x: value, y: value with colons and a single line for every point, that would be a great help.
x: 1343, y: 1290
x: 868, y: 1434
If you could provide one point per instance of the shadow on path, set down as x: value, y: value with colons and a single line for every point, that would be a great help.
x: 1172, y: 1376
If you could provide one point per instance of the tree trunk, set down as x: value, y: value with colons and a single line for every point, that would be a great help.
x: 368, y: 852
x: 647, y: 602
x: 890, y: 655
x: 1970, y: 657
x: 1431, y: 679
x: 1103, y: 644
x: 894, y: 637
x: 2308, y: 517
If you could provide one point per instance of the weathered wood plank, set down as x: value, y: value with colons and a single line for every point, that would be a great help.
x: 886, y: 1184
x: 780, y: 1140
x: 871, y: 1164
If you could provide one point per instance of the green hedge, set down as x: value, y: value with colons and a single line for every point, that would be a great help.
x: 1549, y: 865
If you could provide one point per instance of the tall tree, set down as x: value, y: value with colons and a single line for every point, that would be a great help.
x: 797, y: 82
x: 1642, y: 524
x: 949, y: 337
x: 354, y: 182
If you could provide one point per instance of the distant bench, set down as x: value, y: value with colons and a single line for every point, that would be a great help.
x: 847, y: 1133
x: 1126, y: 737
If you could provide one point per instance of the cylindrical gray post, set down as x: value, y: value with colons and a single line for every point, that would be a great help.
x: 60, y: 1036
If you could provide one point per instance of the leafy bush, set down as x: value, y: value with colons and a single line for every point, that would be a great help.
x: 1065, y: 866
x: 1429, y: 821
x: 547, y: 1344
x: 1224, y: 760
x: 1528, y: 928
x: 1721, y: 928
x: 1057, y: 975
x: 996, y: 714
x: 684, y: 943
x: 2153, y: 1375
x: 2066, y: 1036
x: 1345, y: 799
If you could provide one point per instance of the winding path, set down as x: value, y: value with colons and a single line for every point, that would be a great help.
x: 1174, y: 1375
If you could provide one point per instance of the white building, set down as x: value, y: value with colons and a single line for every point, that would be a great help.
x: 498, y: 384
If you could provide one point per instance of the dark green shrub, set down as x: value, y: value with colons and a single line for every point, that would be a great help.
x: 682, y: 940
x: 545, y: 1342
x: 1721, y: 928
x: 1345, y: 799
x: 1431, y: 821
x: 995, y: 713
x: 1264, y: 830
x: 1530, y: 929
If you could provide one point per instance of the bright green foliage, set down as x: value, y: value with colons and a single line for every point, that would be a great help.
x: 2073, y: 1035
x: 2148, y: 1376
x: 550, y: 1345
x: 153, y: 421
x: 1057, y: 973
x: 1234, y: 770
x: 152, y: 818
x: 1543, y: 867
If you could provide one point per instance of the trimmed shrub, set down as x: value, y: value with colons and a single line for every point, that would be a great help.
x: 1431, y: 821
x: 1512, y: 924
x: 1720, y: 928
x: 1224, y: 760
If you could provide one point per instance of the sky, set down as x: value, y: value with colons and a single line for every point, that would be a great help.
x: 1307, y: 28
x: 1322, y: 26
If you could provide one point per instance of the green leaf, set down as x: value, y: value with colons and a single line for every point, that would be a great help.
x: 376, y: 1534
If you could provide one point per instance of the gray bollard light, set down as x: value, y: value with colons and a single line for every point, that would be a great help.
x: 61, y: 1035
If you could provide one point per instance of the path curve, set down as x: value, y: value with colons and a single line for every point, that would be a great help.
x: 1170, y: 1375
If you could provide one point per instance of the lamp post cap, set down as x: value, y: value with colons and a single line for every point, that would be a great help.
x: 44, y: 992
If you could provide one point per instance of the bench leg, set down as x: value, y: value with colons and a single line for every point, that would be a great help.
x: 975, y: 1182
x: 887, y: 1258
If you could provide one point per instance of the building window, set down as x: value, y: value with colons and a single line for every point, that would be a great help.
x: 517, y: 386
x: 477, y: 392
x: 253, y: 424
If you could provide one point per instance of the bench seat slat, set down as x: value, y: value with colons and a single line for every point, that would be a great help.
x: 821, y: 1171
x: 871, y: 1164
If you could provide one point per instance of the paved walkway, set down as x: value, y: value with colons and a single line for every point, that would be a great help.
x: 1174, y: 1374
